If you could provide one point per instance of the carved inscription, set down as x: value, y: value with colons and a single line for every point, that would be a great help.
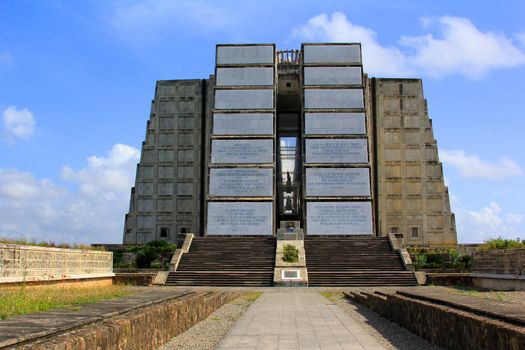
x: 241, y: 151
x: 239, y: 218
x: 336, y: 151
x: 241, y: 182
x: 339, y: 218
x: 337, y: 182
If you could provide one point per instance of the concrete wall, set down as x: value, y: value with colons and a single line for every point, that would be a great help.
x: 446, y: 327
x: 31, y: 263
x: 412, y: 196
x: 146, y: 328
x: 166, y: 195
x: 500, y: 261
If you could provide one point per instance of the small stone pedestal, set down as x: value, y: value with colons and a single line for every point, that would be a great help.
x: 290, y: 274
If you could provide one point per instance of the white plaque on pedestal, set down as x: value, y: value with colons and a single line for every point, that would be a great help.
x: 336, y: 151
x: 339, y: 218
x: 241, y: 151
x: 240, y: 218
x: 241, y: 182
x: 333, y: 182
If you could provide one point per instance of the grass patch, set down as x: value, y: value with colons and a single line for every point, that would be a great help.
x: 27, y: 300
x: 332, y: 296
x: 48, y: 244
x: 250, y: 297
x: 494, y: 295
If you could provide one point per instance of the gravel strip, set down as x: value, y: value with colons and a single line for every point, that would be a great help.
x: 391, y: 335
x: 206, y: 334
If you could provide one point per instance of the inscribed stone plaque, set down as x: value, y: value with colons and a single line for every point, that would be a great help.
x: 240, y: 218
x: 241, y: 182
x: 244, y: 76
x: 332, y: 76
x: 253, y: 54
x: 335, y: 182
x: 336, y: 151
x: 332, y: 54
x: 241, y: 151
x: 243, y: 124
x: 333, y: 98
x: 335, y: 123
x: 339, y: 218
x: 244, y: 99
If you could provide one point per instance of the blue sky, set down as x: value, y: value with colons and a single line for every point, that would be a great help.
x: 77, y: 79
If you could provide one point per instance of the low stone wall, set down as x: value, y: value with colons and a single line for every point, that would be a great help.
x: 134, y: 279
x: 444, y: 326
x: 449, y: 279
x: 500, y: 261
x: 146, y: 328
x: 20, y: 263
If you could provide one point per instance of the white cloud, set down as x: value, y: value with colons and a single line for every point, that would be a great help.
x: 488, y: 222
x: 6, y: 60
x: 18, y: 124
x: 472, y: 166
x: 93, y: 211
x: 141, y: 20
x: 459, y: 47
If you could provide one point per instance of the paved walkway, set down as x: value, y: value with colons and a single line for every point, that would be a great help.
x: 300, y: 320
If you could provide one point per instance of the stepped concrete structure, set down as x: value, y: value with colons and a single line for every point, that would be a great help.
x: 291, y: 141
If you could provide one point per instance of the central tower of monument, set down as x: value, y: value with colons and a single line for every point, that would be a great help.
x: 299, y: 138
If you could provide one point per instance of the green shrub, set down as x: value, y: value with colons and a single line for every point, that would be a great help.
x: 290, y: 253
x: 158, y: 252
x: 500, y: 243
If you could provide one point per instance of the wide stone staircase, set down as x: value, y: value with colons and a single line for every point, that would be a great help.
x: 354, y: 261
x: 226, y: 261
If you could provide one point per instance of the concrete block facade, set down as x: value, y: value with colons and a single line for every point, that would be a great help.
x: 411, y: 194
x: 166, y: 197
x: 407, y: 190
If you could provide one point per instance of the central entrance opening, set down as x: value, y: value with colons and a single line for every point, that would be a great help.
x: 289, y: 140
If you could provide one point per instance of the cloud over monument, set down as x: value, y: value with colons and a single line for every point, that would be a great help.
x: 17, y: 124
x: 452, y: 45
x: 87, y: 207
x: 472, y: 166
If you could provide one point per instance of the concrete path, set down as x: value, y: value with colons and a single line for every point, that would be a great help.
x: 298, y: 320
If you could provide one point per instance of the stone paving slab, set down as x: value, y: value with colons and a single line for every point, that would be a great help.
x: 298, y: 320
x: 22, y: 329
x: 502, y: 310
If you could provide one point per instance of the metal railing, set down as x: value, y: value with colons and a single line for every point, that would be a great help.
x: 289, y: 56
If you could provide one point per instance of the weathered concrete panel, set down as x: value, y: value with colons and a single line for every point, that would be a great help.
x: 165, y: 188
x: 332, y: 54
x: 259, y: 54
x: 335, y: 123
x: 144, y: 188
x: 333, y: 98
x: 336, y: 151
x: 166, y: 155
x: 240, y: 218
x: 144, y: 221
x: 243, y: 99
x: 332, y: 76
x: 339, y: 218
x: 333, y: 182
x: 241, y: 182
x: 243, y: 124
x: 244, y: 76
x: 144, y: 205
x: 242, y: 151
x: 166, y: 172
